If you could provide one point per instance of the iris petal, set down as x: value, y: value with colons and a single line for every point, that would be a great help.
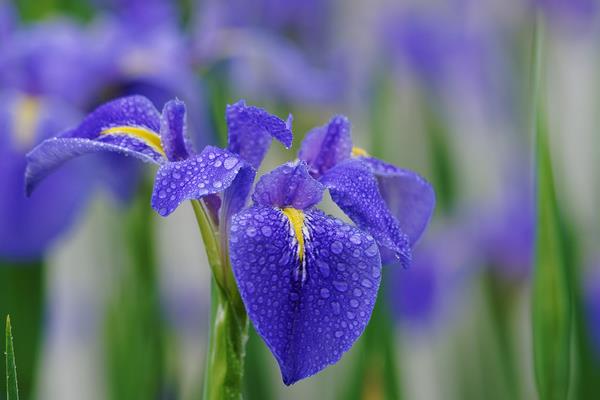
x: 327, y: 145
x: 354, y: 189
x: 173, y: 132
x: 308, y: 312
x: 410, y: 198
x: 289, y: 185
x: 211, y: 171
x: 251, y: 129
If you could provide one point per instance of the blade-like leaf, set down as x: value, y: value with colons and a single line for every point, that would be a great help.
x: 551, y: 301
x: 12, y: 391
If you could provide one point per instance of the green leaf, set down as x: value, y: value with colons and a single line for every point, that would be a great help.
x: 551, y: 313
x: 12, y: 391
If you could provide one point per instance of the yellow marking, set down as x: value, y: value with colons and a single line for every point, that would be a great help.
x: 296, y: 218
x: 147, y: 136
x: 359, y: 152
x: 27, y: 112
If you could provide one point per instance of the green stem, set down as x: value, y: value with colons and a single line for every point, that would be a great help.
x: 552, y: 295
x: 228, y: 323
x: 12, y: 390
x: 21, y: 296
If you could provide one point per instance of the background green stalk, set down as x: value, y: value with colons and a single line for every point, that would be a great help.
x: 12, y: 390
x: 22, y: 296
x: 552, y: 298
x: 257, y: 383
x: 135, y: 338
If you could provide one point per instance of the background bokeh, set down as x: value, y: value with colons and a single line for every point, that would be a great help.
x: 440, y: 87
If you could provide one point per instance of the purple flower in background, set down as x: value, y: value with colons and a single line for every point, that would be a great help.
x: 29, y: 227
x: 283, y: 57
x: 592, y: 308
x: 577, y: 13
x: 132, y: 126
x: 392, y: 204
x: 308, y: 281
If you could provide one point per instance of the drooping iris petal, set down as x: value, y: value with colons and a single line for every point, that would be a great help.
x: 209, y: 172
x: 327, y: 145
x: 251, y: 129
x: 289, y: 185
x: 308, y: 312
x: 128, y: 126
x: 173, y: 133
x: 409, y: 197
x: 354, y: 189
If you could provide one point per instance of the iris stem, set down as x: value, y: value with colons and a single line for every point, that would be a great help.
x: 224, y: 371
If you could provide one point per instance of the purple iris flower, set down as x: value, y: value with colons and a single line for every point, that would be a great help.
x: 29, y: 227
x: 392, y: 204
x: 132, y: 126
x: 592, y: 307
x: 309, y: 281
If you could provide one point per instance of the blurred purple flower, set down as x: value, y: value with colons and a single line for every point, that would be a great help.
x: 578, y: 14
x: 592, y: 307
x: 29, y: 226
x: 283, y: 53
x: 422, y: 295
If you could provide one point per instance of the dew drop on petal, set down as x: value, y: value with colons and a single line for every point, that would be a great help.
x: 251, y: 231
x: 324, y: 293
x: 366, y: 283
x: 336, y: 247
x: 340, y: 286
x: 266, y: 231
x: 230, y: 162
x: 355, y: 239
x: 372, y: 250
x: 323, y: 268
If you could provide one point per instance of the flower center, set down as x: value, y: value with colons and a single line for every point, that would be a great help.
x: 359, y: 152
x: 27, y: 113
x: 147, y: 136
x: 296, y: 218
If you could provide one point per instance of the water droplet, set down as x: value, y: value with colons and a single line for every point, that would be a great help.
x: 250, y: 287
x: 324, y: 293
x: 323, y: 268
x: 357, y: 292
x: 339, y: 334
x: 217, y: 184
x: 218, y: 163
x: 376, y: 272
x: 355, y: 239
x: 340, y: 285
x: 336, y: 247
x: 350, y: 315
x: 354, y: 303
x: 176, y: 175
x: 266, y: 231
x: 162, y: 194
x: 366, y: 283
x: 230, y: 162
x: 336, y: 307
x: 251, y: 231
x: 372, y: 250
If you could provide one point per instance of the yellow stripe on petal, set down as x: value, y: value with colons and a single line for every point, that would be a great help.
x: 296, y: 218
x: 359, y: 152
x: 145, y: 135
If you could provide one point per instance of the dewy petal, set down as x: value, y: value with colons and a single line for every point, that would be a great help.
x: 173, y: 131
x: 354, y: 189
x: 410, y: 198
x: 308, y: 312
x: 289, y: 185
x: 211, y: 171
x: 251, y: 129
x: 327, y: 145
x: 53, y: 152
x: 128, y: 126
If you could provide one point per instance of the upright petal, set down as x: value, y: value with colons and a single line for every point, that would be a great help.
x: 289, y: 185
x: 327, y: 145
x: 173, y: 131
x: 211, y: 171
x: 354, y: 189
x: 308, y: 310
x: 409, y: 197
x: 251, y: 129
